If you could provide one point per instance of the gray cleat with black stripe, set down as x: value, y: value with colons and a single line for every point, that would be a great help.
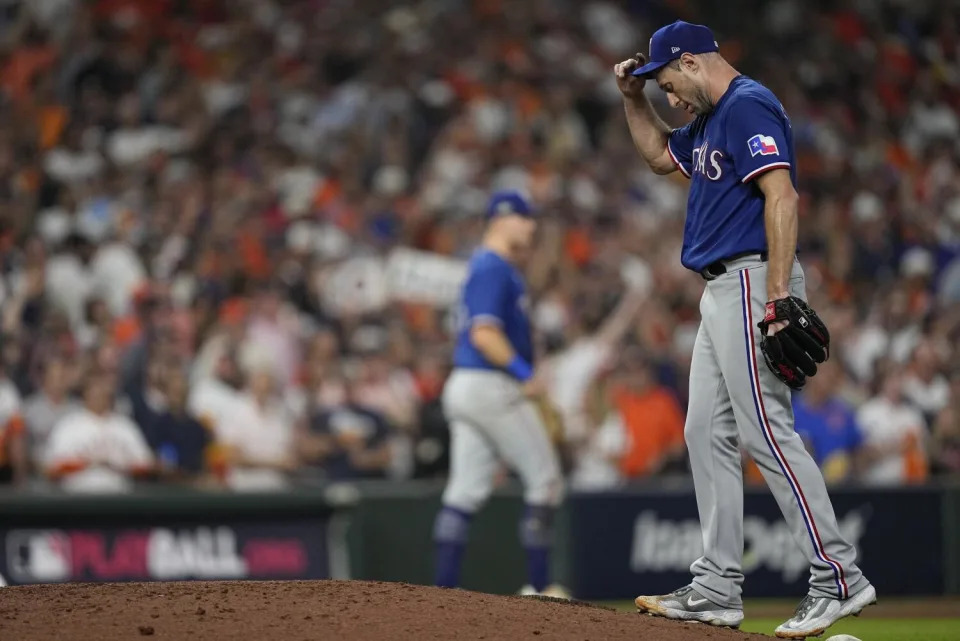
x: 815, y: 614
x: 686, y: 604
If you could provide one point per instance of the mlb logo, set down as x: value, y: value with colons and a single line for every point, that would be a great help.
x: 763, y: 145
x: 38, y: 556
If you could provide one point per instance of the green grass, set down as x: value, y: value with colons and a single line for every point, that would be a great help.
x: 877, y: 629
x: 866, y: 627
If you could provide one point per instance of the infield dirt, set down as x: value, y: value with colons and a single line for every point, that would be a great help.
x: 318, y: 610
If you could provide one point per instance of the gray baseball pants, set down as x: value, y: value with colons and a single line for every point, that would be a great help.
x: 492, y: 421
x: 735, y: 399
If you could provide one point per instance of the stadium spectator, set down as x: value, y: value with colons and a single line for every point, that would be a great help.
x: 146, y: 401
x: 229, y: 180
x: 381, y: 384
x: 651, y: 416
x: 350, y: 441
x: 924, y: 385
x: 48, y: 405
x: 258, y: 431
x: 181, y: 444
x: 273, y: 328
x: 321, y: 388
x: 827, y: 424
x: 69, y: 281
x: 894, y: 434
x: 572, y: 371
x: 215, y: 378
x: 596, y: 461
x: 96, y: 449
x: 13, y: 440
x: 431, y: 444
x: 945, y: 444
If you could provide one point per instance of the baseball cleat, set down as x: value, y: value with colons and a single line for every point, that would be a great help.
x: 815, y: 614
x: 686, y: 604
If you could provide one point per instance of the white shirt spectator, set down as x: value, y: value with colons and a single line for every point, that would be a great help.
x: 130, y: 146
x: 212, y: 401
x: 54, y: 224
x: 888, y: 426
x: 69, y: 283
x: 42, y: 414
x: 928, y: 397
x: 10, y: 417
x: 117, y: 274
x: 570, y: 374
x: 97, y: 453
x: 596, y: 467
x: 275, y: 340
x: 9, y: 401
x: 872, y: 342
x: 297, y: 187
x: 70, y: 166
x: 394, y: 396
x: 221, y: 96
x: 257, y: 433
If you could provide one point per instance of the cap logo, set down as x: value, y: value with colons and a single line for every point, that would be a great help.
x: 504, y: 208
x: 674, y: 49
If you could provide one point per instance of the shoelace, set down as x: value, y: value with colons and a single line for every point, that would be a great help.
x: 805, y: 606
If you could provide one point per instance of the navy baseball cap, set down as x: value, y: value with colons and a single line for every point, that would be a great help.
x: 508, y: 202
x: 670, y: 42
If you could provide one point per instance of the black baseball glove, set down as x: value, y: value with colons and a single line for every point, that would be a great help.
x: 792, y: 353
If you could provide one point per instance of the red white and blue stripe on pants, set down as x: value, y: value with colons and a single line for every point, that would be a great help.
x: 788, y: 474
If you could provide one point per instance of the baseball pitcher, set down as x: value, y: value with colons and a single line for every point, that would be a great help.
x: 757, y: 337
x: 488, y: 399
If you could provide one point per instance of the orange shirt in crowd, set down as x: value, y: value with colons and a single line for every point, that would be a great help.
x: 11, y: 420
x: 13, y: 429
x: 653, y: 422
x: 23, y: 66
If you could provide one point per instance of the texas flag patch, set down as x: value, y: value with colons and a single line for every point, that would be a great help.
x: 763, y: 145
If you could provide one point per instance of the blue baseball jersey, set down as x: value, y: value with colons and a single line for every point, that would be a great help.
x: 747, y: 133
x: 493, y: 293
x: 831, y: 429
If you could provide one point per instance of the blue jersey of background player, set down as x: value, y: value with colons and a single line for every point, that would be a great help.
x: 487, y: 400
x: 493, y: 295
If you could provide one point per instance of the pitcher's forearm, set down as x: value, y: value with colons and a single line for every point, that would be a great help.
x: 780, y: 216
x: 650, y: 134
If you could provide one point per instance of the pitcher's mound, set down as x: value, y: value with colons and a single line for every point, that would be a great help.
x: 317, y: 610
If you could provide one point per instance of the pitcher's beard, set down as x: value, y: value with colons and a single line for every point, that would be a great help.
x: 702, y: 104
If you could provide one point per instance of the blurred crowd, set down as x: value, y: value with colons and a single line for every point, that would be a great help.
x: 230, y: 229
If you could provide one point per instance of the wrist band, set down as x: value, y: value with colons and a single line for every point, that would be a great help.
x: 519, y: 369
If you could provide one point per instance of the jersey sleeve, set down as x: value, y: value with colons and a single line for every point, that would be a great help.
x: 66, y: 449
x: 486, y: 295
x: 758, y: 133
x: 136, y: 451
x: 680, y: 148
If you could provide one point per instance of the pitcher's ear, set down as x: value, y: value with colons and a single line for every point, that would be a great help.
x: 689, y: 62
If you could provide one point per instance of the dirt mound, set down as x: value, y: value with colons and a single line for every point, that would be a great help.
x: 315, y: 610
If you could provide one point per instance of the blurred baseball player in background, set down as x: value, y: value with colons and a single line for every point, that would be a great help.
x: 740, y: 235
x: 488, y: 399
